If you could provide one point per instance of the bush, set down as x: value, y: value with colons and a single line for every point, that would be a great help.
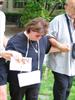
x: 32, y: 10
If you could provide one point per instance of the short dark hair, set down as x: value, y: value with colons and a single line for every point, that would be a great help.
x: 39, y: 25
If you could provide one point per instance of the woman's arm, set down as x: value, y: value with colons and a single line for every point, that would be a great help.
x: 59, y: 46
x: 53, y: 49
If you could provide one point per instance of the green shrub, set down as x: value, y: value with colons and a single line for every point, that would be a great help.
x: 32, y: 10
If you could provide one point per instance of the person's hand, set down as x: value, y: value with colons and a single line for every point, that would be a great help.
x: 10, y: 53
x: 16, y: 55
x: 5, y: 54
x: 64, y: 47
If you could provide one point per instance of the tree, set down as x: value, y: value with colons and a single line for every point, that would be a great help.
x: 31, y: 10
x: 39, y: 8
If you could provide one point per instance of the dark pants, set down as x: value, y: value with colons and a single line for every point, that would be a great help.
x: 30, y: 92
x: 3, y: 72
x: 62, y: 86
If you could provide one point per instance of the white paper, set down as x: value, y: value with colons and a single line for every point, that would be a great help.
x: 30, y: 78
x: 25, y: 65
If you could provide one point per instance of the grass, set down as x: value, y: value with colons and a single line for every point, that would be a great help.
x: 47, y: 84
x: 46, y: 87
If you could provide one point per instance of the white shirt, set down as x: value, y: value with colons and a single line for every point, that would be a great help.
x: 2, y: 28
x: 61, y: 62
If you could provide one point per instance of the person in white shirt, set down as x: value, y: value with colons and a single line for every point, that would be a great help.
x: 3, y: 93
x: 62, y: 64
x: 4, y: 54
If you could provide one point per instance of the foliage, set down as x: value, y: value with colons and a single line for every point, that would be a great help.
x: 39, y: 8
x: 32, y: 10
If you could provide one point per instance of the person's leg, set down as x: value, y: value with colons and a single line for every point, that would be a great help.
x: 32, y: 92
x: 60, y: 86
x: 3, y: 92
x: 16, y: 93
x: 70, y: 80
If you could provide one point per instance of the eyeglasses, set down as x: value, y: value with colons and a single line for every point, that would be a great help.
x: 1, y: 2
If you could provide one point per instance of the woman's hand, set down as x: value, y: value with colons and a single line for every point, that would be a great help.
x: 11, y: 53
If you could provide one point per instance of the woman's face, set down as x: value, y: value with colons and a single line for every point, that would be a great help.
x: 35, y: 36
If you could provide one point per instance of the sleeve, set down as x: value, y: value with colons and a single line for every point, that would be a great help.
x: 10, y: 45
x: 48, y: 44
x: 2, y: 23
x: 53, y: 28
x: 2, y: 28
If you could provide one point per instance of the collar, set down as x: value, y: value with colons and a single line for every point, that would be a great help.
x: 70, y: 19
x: 26, y: 34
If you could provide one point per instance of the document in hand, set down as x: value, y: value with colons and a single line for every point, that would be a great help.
x: 24, y: 65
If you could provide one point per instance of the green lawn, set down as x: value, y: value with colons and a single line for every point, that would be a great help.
x: 47, y: 84
x: 46, y: 87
